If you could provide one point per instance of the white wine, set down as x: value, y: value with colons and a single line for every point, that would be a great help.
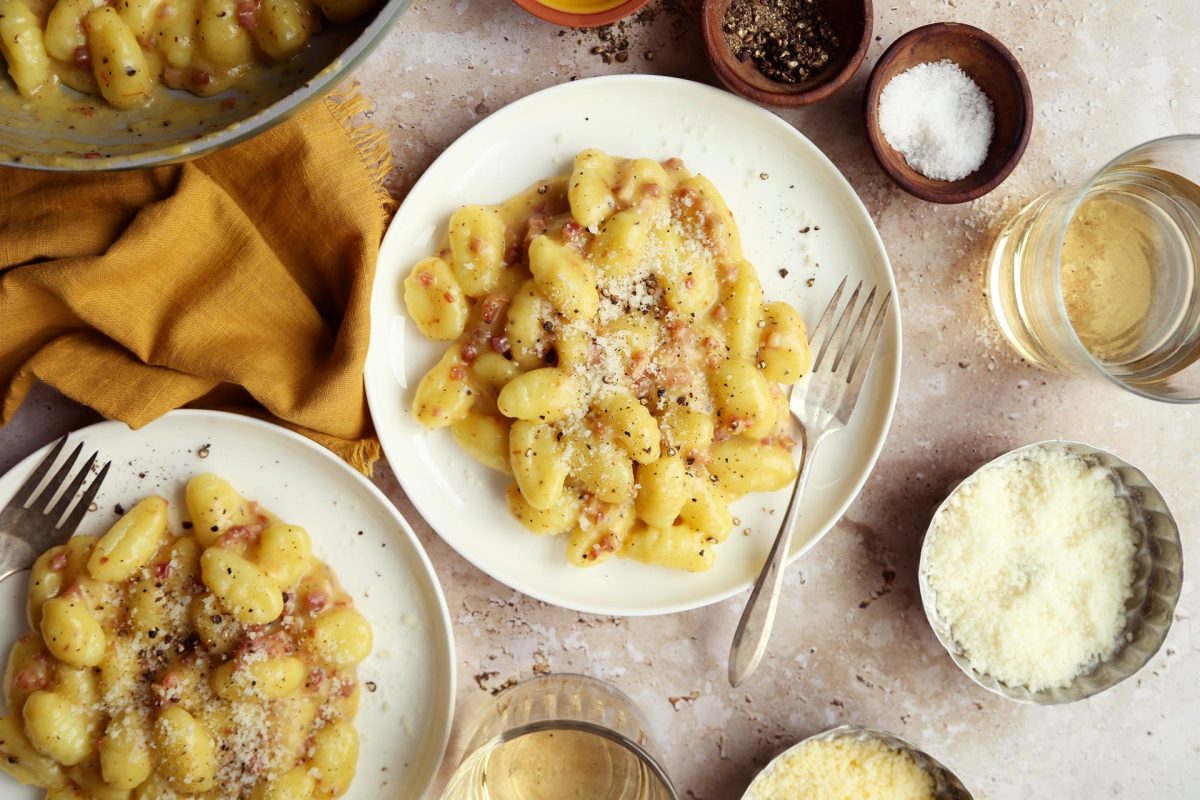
x: 1108, y: 265
x: 1129, y: 277
x: 562, y: 765
x: 560, y: 737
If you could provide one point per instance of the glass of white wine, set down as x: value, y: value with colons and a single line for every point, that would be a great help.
x: 1104, y: 278
x: 560, y: 737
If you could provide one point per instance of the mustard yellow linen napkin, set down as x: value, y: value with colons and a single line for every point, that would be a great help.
x: 241, y: 275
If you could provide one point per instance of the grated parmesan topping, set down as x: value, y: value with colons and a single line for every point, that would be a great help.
x: 638, y: 293
x: 157, y: 659
x: 621, y: 360
x: 247, y: 752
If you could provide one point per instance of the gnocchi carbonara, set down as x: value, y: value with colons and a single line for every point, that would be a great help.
x: 614, y: 354
x: 219, y: 664
x: 121, y: 49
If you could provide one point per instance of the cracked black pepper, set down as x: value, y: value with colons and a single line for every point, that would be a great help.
x: 789, y: 41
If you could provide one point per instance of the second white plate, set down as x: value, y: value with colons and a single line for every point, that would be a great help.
x: 801, y: 223
x: 404, y: 721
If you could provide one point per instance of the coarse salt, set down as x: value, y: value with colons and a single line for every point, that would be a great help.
x: 938, y: 119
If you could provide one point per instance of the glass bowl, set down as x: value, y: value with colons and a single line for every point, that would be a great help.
x: 1157, y: 581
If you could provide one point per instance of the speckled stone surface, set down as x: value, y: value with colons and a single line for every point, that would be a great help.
x: 852, y: 643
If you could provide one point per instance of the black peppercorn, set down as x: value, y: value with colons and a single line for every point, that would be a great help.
x: 789, y: 41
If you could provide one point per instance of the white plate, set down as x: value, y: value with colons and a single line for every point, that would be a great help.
x: 777, y: 183
x: 405, y: 723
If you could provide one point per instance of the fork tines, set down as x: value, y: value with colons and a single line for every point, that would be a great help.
x: 846, y: 351
x: 66, y: 513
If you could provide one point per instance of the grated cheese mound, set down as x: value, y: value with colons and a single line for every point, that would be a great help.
x: 1031, y: 563
x: 612, y: 365
x: 843, y: 769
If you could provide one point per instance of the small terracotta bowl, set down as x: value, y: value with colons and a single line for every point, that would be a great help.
x: 851, y: 21
x: 575, y: 20
x: 994, y: 69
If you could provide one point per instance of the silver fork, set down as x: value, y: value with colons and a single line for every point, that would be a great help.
x: 822, y: 404
x: 29, y: 525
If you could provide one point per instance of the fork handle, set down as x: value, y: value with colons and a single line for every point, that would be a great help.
x: 754, y: 628
x: 15, y: 555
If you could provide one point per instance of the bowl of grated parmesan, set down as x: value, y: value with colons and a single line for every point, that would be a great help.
x: 1052, y: 572
x: 849, y: 761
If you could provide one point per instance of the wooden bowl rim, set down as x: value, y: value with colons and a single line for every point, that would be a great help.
x: 574, y: 20
x: 720, y: 57
x: 878, y: 144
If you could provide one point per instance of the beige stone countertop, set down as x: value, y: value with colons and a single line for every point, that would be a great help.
x: 852, y: 643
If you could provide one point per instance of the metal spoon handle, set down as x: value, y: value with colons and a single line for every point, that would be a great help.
x: 754, y: 629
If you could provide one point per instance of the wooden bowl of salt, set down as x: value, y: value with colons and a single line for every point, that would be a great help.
x: 948, y: 112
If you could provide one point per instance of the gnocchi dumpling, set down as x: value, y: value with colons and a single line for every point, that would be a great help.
x: 674, y: 546
x: 742, y: 465
x: 444, y: 396
x: 566, y: 280
x: 123, y: 50
x: 539, y: 463
x: 435, y: 301
x: 24, y: 48
x: 477, y: 245
x: 783, y: 346
x: 130, y: 543
x: 247, y: 591
x: 590, y: 191
x: 618, y: 359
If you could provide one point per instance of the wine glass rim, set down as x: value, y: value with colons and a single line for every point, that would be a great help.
x: 642, y: 754
x: 1076, y: 201
x: 645, y: 753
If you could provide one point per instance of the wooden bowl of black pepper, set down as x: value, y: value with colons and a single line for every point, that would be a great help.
x: 786, y: 52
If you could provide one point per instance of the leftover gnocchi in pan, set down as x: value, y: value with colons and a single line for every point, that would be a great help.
x: 613, y: 352
x: 122, y: 49
x: 215, y: 664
